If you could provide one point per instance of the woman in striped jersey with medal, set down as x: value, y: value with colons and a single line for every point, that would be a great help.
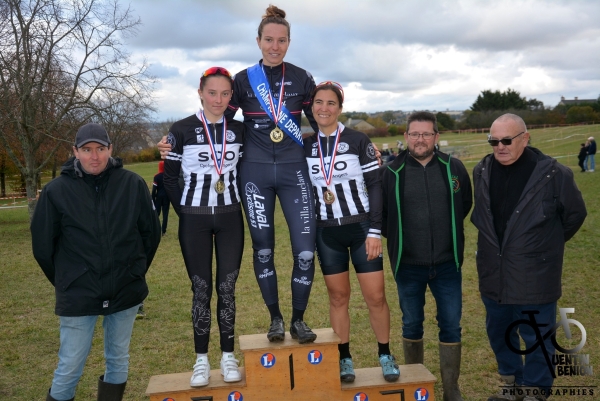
x: 207, y: 149
x: 343, y: 169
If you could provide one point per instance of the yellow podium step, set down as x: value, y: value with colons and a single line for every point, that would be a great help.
x: 291, y: 371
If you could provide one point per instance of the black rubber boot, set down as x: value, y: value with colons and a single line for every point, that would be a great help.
x: 413, y: 351
x: 109, y: 391
x: 49, y: 397
x: 450, y: 368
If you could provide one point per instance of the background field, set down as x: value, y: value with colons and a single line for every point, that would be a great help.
x: 162, y: 343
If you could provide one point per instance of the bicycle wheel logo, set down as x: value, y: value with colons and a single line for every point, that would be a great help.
x: 563, y: 323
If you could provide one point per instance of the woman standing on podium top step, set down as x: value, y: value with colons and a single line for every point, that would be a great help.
x: 207, y: 148
x: 344, y: 171
x: 272, y: 95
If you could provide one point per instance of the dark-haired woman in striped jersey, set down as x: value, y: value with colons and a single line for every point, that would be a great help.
x: 343, y: 169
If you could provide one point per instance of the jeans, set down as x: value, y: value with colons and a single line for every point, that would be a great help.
x: 590, y: 162
x: 534, y: 372
x: 76, y: 334
x: 445, y: 283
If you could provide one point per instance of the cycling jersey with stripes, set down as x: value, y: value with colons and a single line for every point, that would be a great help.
x: 355, y: 183
x: 191, y: 152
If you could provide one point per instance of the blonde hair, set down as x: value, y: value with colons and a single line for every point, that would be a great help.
x: 274, y: 15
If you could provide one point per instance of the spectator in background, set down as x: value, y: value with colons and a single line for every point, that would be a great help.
x: 391, y: 157
x: 159, y: 196
x: 591, y: 154
x: 400, y: 146
x: 582, y: 156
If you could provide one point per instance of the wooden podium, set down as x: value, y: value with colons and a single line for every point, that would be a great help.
x: 290, y: 371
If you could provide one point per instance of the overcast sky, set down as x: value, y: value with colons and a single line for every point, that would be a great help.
x: 387, y: 54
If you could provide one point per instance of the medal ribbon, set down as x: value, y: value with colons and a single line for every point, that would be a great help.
x: 218, y: 161
x: 328, y: 173
x: 275, y: 111
x: 282, y: 117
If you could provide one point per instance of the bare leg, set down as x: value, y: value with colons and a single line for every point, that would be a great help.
x: 338, y: 287
x: 373, y: 290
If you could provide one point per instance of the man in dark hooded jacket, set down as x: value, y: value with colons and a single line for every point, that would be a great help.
x: 94, y: 234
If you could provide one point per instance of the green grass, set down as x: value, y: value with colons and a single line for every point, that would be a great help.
x: 162, y: 343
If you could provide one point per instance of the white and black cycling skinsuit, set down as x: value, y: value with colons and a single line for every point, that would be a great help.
x: 343, y: 226
x: 270, y: 169
x: 205, y: 214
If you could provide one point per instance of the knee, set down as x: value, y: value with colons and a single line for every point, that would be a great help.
x: 376, y: 300
x: 305, y: 260
x: 263, y: 255
x: 339, y: 299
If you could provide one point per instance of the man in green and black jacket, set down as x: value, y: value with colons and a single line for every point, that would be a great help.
x: 427, y: 195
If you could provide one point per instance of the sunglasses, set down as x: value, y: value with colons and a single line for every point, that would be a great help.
x: 503, y: 141
x: 332, y: 83
x: 215, y: 70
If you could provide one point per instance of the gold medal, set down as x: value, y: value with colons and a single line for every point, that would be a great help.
x: 328, y: 197
x: 276, y: 135
x: 220, y: 187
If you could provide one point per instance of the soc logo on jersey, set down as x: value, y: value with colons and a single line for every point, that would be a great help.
x: 421, y: 394
x: 235, y: 396
x: 230, y: 136
x: 343, y: 147
x: 267, y: 360
x: 361, y: 397
x: 315, y: 152
x: 315, y: 357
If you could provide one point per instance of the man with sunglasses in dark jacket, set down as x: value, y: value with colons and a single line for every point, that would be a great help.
x: 527, y: 206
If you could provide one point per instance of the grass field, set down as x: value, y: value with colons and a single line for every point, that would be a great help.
x: 162, y: 343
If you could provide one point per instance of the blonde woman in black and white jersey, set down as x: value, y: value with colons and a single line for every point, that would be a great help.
x: 207, y: 148
x: 343, y: 168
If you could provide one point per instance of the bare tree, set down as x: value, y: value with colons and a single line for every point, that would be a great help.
x: 126, y: 121
x: 58, y: 60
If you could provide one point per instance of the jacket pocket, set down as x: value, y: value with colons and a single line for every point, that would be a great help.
x: 68, y: 273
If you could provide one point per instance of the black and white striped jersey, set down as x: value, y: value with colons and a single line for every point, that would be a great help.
x: 355, y: 183
x: 191, y: 152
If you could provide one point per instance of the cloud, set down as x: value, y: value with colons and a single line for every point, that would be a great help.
x: 390, y: 54
x: 161, y: 71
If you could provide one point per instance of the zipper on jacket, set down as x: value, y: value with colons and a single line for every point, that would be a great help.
x: 431, y: 229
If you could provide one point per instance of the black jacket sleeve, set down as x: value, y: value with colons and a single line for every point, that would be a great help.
x: 173, y: 168
x: 45, y: 231
x: 148, y: 224
x: 466, y: 188
x: 572, y: 207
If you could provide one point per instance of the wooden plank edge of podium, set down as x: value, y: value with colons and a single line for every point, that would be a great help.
x: 254, y: 342
x: 373, y: 377
x: 177, y: 382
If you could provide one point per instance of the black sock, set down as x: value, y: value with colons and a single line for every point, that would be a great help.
x: 344, y: 350
x: 274, y: 311
x: 297, y: 314
x: 384, y: 349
